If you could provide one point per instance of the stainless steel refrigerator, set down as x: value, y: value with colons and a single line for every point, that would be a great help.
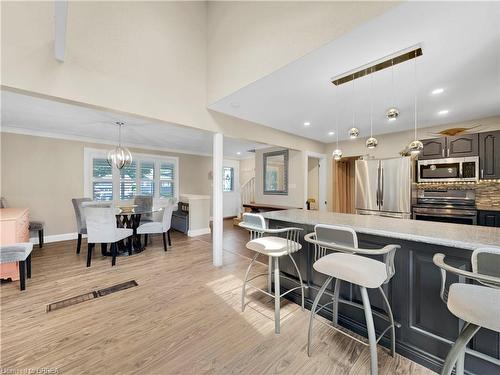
x: 384, y: 187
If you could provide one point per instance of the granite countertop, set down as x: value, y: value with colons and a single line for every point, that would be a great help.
x: 452, y: 235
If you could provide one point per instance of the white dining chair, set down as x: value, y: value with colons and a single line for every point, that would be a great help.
x: 102, y: 228
x: 160, y: 227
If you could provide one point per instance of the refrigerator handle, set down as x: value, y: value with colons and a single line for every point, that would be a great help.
x: 378, y: 186
x: 382, y: 189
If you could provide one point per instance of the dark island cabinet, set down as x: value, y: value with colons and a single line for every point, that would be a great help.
x: 433, y: 149
x: 489, y: 155
x: 488, y: 218
x: 450, y: 147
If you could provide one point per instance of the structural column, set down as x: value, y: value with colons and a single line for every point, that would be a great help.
x: 217, y: 215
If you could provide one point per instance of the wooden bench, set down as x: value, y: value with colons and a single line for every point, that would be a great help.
x: 20, y: 252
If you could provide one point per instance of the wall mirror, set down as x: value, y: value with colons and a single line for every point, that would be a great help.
x: 276, y: 172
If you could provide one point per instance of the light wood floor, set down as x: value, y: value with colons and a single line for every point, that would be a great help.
x: 183, y: 318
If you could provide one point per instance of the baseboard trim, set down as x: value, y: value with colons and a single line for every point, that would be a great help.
x: 57, y: 237
x: 198, y: 232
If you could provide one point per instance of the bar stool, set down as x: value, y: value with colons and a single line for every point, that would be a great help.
x: 477, y: 305
x: 346, y: 265
x: 274, y: 247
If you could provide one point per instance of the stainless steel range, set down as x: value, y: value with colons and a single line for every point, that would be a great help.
x: 446, y: 205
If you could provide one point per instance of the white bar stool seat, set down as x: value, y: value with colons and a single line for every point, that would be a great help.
x: 267, y: 242
x: 354, y: 269
x: 273, y: 246
x: 345, y: 265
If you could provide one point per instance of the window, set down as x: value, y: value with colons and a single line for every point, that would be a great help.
x: 167, y: 180
x: 102, y: 180
x: 147, y: 186
x: 228, y: 179
x: 151, y: 175
x: 128, y: 181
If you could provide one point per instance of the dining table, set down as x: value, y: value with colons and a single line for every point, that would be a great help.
x: 131, y: 219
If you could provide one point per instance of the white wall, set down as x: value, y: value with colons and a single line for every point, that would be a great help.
x: 232, y: 198
x: 250, y: 39
x: 295, y: 196
x: 142, y: 58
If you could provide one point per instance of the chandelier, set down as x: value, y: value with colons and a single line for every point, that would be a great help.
x: 119, y: 157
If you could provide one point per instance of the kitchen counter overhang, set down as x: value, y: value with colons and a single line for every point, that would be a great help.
x: 427, y: 327
x: 444, y: 234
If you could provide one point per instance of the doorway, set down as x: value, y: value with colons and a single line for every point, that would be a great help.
x: 315, y: 181
x: 344, y: 180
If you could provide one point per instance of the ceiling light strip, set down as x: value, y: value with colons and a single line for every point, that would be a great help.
x: 373, y: 67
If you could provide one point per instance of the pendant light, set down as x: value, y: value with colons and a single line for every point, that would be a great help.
x: 354, y: 131
x: 119, y: 157
x: 415, y: 146
x: 392, y: 113
x: 372, y: 141
x: 337, y: 153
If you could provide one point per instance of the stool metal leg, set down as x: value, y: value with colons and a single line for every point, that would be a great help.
x: 270, y: 275
x: 277, y: 295
x: 243, y: 289
x: 460, y: 366
x: 458, y: 347
x: 335, y: 307
x: 391, y: 318
x: 372, y: 338
x: 313, y: 312
x: 300, y: 279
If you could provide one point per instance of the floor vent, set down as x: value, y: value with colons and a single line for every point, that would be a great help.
x: 91, y: 295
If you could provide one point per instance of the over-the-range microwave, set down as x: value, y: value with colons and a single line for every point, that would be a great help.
x: 449, y: 170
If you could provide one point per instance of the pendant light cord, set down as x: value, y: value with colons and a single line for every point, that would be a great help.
x: 416, y: 91
x: 120, y: 135
x: 353, y: 106
x: 371, y: 103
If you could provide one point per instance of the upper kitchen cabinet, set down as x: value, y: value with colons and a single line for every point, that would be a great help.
x: 433, y: 149
x: 489, y: 155
x: 462, y: 145
x: 450, y: 147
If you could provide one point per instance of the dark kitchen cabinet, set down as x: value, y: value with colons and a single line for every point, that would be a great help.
x: 489, y: 155
x: 488, y: 218
x: 433, y: 149
x: 450, y: 147
x: 462, y: 145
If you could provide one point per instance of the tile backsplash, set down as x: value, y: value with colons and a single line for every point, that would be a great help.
x: 487, y: 192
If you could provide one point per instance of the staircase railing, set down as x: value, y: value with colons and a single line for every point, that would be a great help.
x: 247, y: 192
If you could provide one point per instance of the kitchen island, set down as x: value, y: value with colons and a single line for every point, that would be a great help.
x: 427, y: 327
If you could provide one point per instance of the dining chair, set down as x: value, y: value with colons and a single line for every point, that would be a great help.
x: 157, y: 227
x: 144, y: 203
x: 81, y: 225
x: 34, y: 225
x: 101, y: 228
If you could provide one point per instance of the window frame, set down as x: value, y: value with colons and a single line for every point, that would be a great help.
x: 91, y: 153
x: 232, y: 179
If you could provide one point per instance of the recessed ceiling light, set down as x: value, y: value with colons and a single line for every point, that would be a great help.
x: 331, y: 133
x: 443, y: 112
x: 238, y: 153
x: 437, y: 91
x: 392, y: 119
x: 235, y: 104
x: 307, y: 123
